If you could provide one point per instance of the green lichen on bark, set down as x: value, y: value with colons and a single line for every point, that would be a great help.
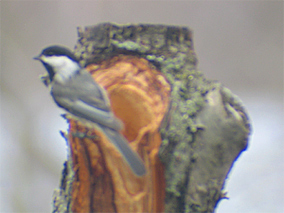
x: 206, y: 127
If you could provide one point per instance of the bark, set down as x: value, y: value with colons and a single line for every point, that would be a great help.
x: 188, y: 130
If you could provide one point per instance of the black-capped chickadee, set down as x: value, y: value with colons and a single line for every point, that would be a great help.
x: 74, y: 89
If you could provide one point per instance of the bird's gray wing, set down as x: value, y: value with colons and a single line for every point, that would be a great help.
x: 131, y: 157
x: 90, y: 113
x: 83, y: 97
x: 90, y: 92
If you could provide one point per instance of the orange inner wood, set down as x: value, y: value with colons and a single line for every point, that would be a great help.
x: 139, y: 96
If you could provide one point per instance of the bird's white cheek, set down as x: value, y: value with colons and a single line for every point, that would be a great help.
x: 56, y: 62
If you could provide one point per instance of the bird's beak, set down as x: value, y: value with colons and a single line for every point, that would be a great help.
x: 38, y: 58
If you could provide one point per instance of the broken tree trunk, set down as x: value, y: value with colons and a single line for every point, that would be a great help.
x: 188, y: 130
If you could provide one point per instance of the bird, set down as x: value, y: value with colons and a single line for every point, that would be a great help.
x: 74, y: 89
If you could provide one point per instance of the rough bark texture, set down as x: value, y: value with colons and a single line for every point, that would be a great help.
x: 197, y: 128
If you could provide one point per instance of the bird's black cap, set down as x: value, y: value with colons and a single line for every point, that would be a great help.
x: 57, y: 50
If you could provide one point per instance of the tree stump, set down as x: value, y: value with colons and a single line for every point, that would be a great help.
x: 188, y: 130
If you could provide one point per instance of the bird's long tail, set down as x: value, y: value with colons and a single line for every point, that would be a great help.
x: 132, y: 158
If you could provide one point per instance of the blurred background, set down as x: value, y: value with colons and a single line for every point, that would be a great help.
x: 239, y: 43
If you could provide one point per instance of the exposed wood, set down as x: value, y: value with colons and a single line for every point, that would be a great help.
x: 103, y: 182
